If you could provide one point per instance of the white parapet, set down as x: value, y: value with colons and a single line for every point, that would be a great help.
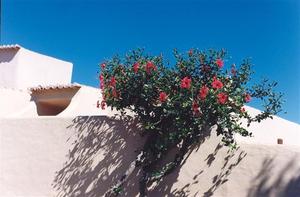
x: 21, y: 68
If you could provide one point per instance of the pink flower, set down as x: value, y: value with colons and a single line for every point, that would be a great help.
x: 191, y: 51
x: 220, y: 63
x: 203, y: 92
x: 103, y: 104
x: 136, y: 67
x: 162, y: 97
x: 243, y: 110
x: 216, y: 84
x: 150, y: 66
x: 115, y: 93
x: 247, y: 98
x: 186, y: 83
x: 101, y: 78
x: 222, y: 98
x: 113, y: 81
x: 195, y: 107
x: 103, y: 65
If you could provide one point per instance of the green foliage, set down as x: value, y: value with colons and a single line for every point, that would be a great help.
x: 177, y: 104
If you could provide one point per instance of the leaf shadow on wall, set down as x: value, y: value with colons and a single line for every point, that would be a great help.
x: 219, y: 172
x: 103, y: 149
x: 268, y: 183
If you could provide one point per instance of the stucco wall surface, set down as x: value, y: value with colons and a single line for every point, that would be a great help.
x: 84, y: 103
x: 268, y: 131
x: 13, y: 101
x: 8, y: 68
x: 22, y: 69
x: 84, y: 155
x: 36, y: 69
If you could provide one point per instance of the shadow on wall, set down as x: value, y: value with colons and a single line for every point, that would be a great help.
x: 103, y: 149
x: 7, y: 55
x: 264, y: 185
x: 229, y: 164
x: 219, y: 174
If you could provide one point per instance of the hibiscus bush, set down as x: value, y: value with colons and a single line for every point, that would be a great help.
x: 177, y: 104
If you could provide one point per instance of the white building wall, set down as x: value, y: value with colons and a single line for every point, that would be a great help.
x: 13, y: 101
x: 21, y: 69
x: 86, y: 155
x: 8, y: 68
x: 268, y: 131
x: 37, y: 69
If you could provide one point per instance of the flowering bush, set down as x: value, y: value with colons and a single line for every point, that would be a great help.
x: 177, y: 104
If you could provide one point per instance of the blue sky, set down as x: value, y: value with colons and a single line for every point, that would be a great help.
x: 86, y: 32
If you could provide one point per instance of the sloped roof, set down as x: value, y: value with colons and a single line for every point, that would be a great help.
x: 12, y: 46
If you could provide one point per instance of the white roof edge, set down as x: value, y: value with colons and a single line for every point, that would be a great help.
x: 18, y: 47
x: 54, y: 87
x: 48, y: 56
x: 11, y: 46
x: 256, y: 110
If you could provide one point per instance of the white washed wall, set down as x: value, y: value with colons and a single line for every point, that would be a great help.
x: 83, y: 156
x: 21, y: 69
